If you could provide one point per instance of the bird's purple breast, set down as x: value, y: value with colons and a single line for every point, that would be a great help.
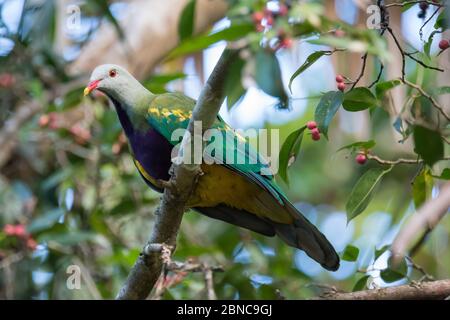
x: 153, y: 152
x: 150, y: 148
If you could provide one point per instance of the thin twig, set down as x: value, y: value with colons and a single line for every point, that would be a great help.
x: 428, y: 96
x: 379, y: 75
x: 398, y: 161
x: 363, y: 68
x: 426, y: 22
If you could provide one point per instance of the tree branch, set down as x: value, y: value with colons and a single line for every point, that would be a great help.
x: 147, y: 268
x: 398, y: 161
x: 425, y: 219
x: 434, y: 290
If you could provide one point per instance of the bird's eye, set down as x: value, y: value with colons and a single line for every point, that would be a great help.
x: 112, y: 73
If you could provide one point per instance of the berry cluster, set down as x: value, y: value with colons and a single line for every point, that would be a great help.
x: 340, y: 82
x: 266, y: 19
x: 7, y: 80
x: 315, y: 133
x: 423, y: 9
x: 19, y: 232
x: 52, y: 121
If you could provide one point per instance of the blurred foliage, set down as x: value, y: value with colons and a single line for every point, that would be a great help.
x: 72, y: 182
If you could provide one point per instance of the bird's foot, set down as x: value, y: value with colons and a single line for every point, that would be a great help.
x: 164, y: 249
x: 163, y: 184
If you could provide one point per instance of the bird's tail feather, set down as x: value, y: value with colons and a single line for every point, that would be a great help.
x: 301, y: 234
x: 304, y: 235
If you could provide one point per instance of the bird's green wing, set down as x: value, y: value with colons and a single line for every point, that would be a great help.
x: 171, y: 111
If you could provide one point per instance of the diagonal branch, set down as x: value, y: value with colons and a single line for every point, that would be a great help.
x: 148, y: 267
x: 433, y: 290
x: 424, y: 220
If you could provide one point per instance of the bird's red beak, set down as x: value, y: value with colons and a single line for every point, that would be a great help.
x: 91, y: 86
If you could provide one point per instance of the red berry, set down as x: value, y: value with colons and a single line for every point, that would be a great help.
x: 339, y: 33
x: 44, y: 120
x: 7, y: 80
x: 269, y: 20
x: 286, y: 43
x: 423, y: 6
x: 9, y: 230
x: 339, y: 78
x: 311, y: 125
x: 315, y: 136
x: 20, y: 230
x: 258, y: 16
x: 341, y: 86
x: 283, y: 10
x: 361, y: 158
x: 444, y: 44
x: 31, y: 244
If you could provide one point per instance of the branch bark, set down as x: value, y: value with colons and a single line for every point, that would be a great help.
x: 148, y: 267
x: 151, y: 31
x: 435, y: 290
x: 424, y: 220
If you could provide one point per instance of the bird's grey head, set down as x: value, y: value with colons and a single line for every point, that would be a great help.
x: 117, y: 83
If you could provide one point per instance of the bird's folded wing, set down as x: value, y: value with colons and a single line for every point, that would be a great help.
x: 171, y: 111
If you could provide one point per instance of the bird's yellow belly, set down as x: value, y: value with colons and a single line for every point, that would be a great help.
x: 219, y: 185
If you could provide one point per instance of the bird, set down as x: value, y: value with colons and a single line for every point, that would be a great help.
x: 232, y: 192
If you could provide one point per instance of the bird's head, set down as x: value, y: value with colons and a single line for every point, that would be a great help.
x: 118, y: 84
x: 108, y: 78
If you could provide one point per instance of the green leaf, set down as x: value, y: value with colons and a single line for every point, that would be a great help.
x: 361, y: 284
x: 445, y: 175
x: 157, y: 83
x: 186, y: 24
x: 379, y: 252
x: 71, y: 99
x: 360, y: 145
x: 427, y: 45
x: 200, y: 42
x: 233, y: 83
x: 394, y: 273
x: 363, y: 191
x: 45, y: 221
x: 441, y: 90
x: 326, y: 109
x: 289, y: 151
x: 382, y: 87
x: 359, y: 99
x: 67, y: 238
x: 103, y: 6
x: 441, y: 21
x: 350, y: 253
x: 422, y: 186
x: 428, y: 145
x: 268, y: 75
x: 308, y: 63
x: 389, y: 275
